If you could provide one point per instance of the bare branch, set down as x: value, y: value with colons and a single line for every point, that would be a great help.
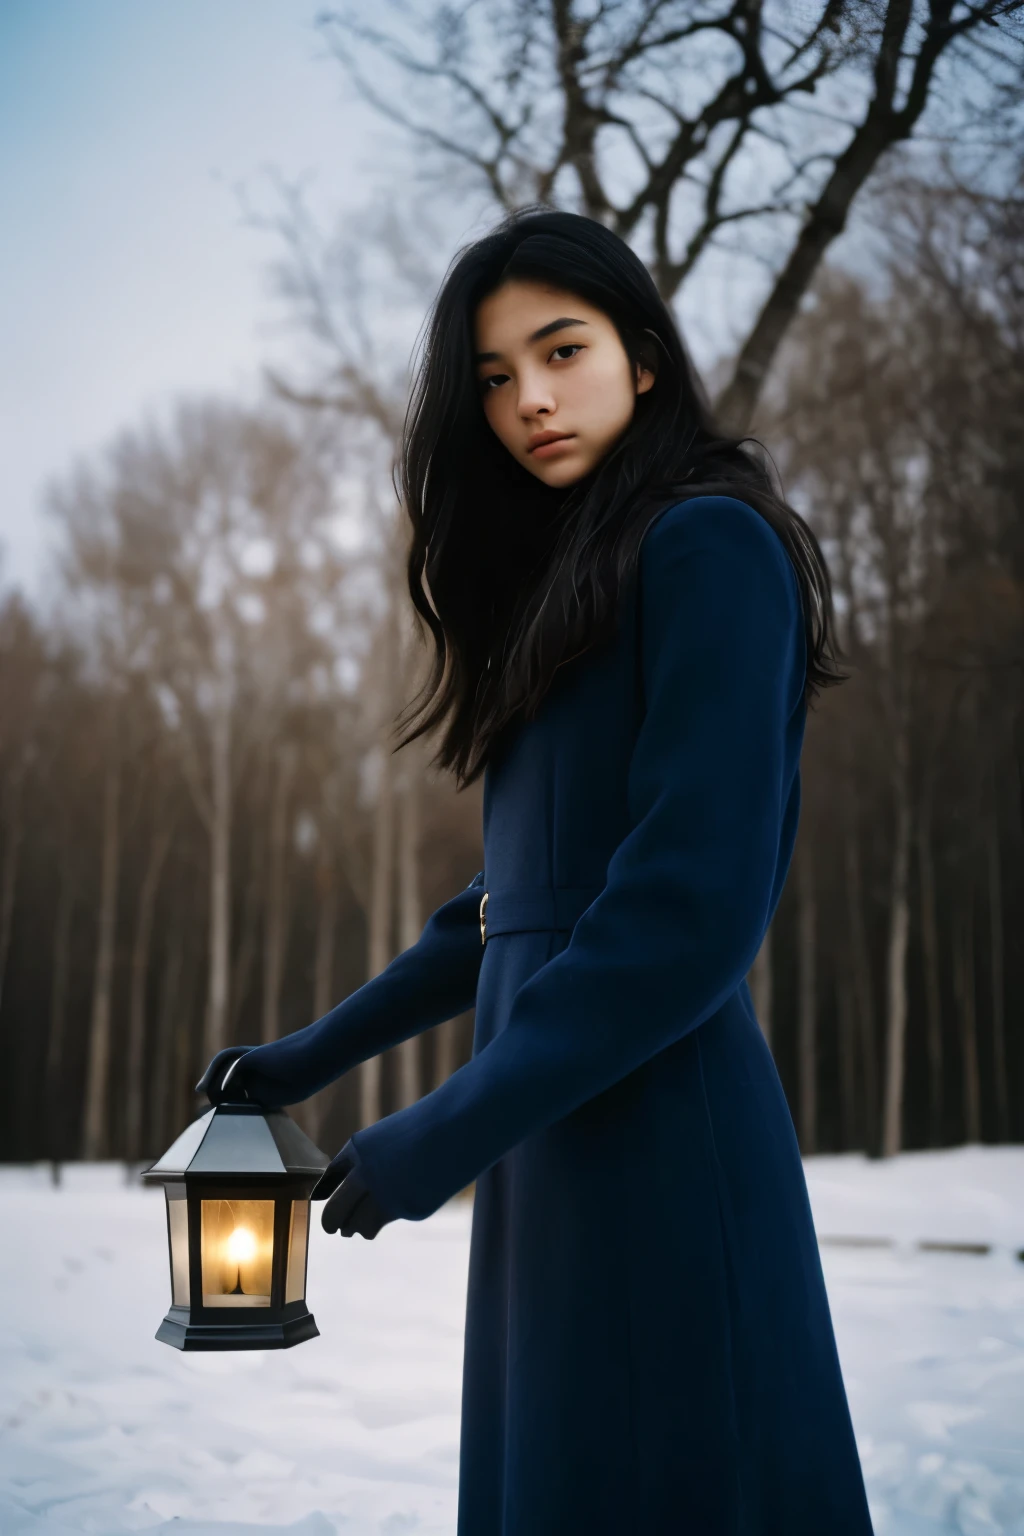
x: 883, y: 125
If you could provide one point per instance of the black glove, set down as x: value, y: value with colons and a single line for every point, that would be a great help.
x: 350, y: 1207
x: 212, y: 1082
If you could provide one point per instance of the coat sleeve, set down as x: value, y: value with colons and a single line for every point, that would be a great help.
x: 688, y: 891
x: 433, y: 980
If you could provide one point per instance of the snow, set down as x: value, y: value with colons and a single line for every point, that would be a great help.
x: 932, y: 1343
x: 102, y: 1430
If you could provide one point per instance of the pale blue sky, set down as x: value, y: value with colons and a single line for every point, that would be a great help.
x: 127, y: 273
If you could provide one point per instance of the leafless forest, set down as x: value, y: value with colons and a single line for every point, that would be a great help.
x: 204, y: 835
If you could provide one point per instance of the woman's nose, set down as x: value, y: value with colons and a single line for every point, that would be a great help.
x: 535, y: 397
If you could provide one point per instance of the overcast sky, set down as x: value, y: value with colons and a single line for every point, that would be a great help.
x: 127, y: 272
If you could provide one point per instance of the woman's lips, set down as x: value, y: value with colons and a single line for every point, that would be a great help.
x: 549, y: 450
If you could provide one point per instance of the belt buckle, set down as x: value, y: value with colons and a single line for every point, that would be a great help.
x: 483, y: 918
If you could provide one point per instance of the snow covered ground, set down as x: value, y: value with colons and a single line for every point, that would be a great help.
x: 103, y: 1430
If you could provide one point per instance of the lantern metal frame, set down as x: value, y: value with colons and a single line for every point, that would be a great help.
x: 238, y: 1152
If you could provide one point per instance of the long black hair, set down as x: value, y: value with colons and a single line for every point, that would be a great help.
x: 514, y: 578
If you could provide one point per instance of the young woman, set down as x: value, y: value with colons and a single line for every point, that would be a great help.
x: 627, y: 624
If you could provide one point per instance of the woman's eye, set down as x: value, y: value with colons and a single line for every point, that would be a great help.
x: 568, y: 346
x: 492, y: 378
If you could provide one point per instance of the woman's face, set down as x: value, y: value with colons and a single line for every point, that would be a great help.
x: 550, y: 365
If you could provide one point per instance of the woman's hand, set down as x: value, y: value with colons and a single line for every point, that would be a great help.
x: 220, y: 1081
x: 351, y: 1206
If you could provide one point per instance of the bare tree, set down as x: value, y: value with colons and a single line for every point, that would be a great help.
x: 967, y: 1010
x: 247, y: 943
x: 930, y: 954
x: 13, y: 829
x: 178, y: 548
x: 95, y: 1132
x: 20, y: 639
x: 410, y: 904
x: 56, y: 1041
x: 275, y: 934
x: 156, y: 859
x: 678, y: 123
x: 807, y: 955
x: 380, y: 926
x: 997, y: 971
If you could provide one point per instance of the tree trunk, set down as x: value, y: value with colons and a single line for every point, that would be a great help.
x: 276, y: 907
x: 863, y: 990
x: 967, y: 1009
x: 896, y: 975
x: 135, y: 1073
x: 170, y: 1028
x: 220, y: 882
x: 380, y: 917
x: 95, y: 1140
x: 932, y: 973
x: 846, y: 1014
x: 860, y: 953
x: 326, y: 924
x: 57, y: 1146
x: 317, y: 1107
x: 808, y: 1001
x: 759, y: 981
x: 14, y: 831
x: 997, y: 974
x: 186, y: 1039
x: 248, y: 939
x: 410, y: 913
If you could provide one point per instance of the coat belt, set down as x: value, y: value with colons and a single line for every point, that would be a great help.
x: 534, y: 909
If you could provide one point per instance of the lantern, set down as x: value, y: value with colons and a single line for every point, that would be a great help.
x: 238, y: 1182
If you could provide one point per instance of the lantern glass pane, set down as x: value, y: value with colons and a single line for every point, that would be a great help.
x: 238, y: 1252
x: 177, y: 1228
x: 298, y: 1239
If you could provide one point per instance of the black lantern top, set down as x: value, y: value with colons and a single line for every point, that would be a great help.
x: 234, y: 1140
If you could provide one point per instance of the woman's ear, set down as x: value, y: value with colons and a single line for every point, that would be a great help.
x: 647, y: 362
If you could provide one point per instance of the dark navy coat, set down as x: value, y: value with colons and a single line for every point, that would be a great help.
x: 649, y: 1349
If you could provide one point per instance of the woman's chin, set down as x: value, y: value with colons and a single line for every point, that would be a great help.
x: 560, y: 473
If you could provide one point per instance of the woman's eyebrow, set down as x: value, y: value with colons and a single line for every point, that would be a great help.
x: 545, y: 330
x: 552, y: 326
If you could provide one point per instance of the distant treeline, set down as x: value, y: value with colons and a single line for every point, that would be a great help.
x: 204, y: 839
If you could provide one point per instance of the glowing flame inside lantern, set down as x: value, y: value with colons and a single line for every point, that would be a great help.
x: 241, y: 1246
